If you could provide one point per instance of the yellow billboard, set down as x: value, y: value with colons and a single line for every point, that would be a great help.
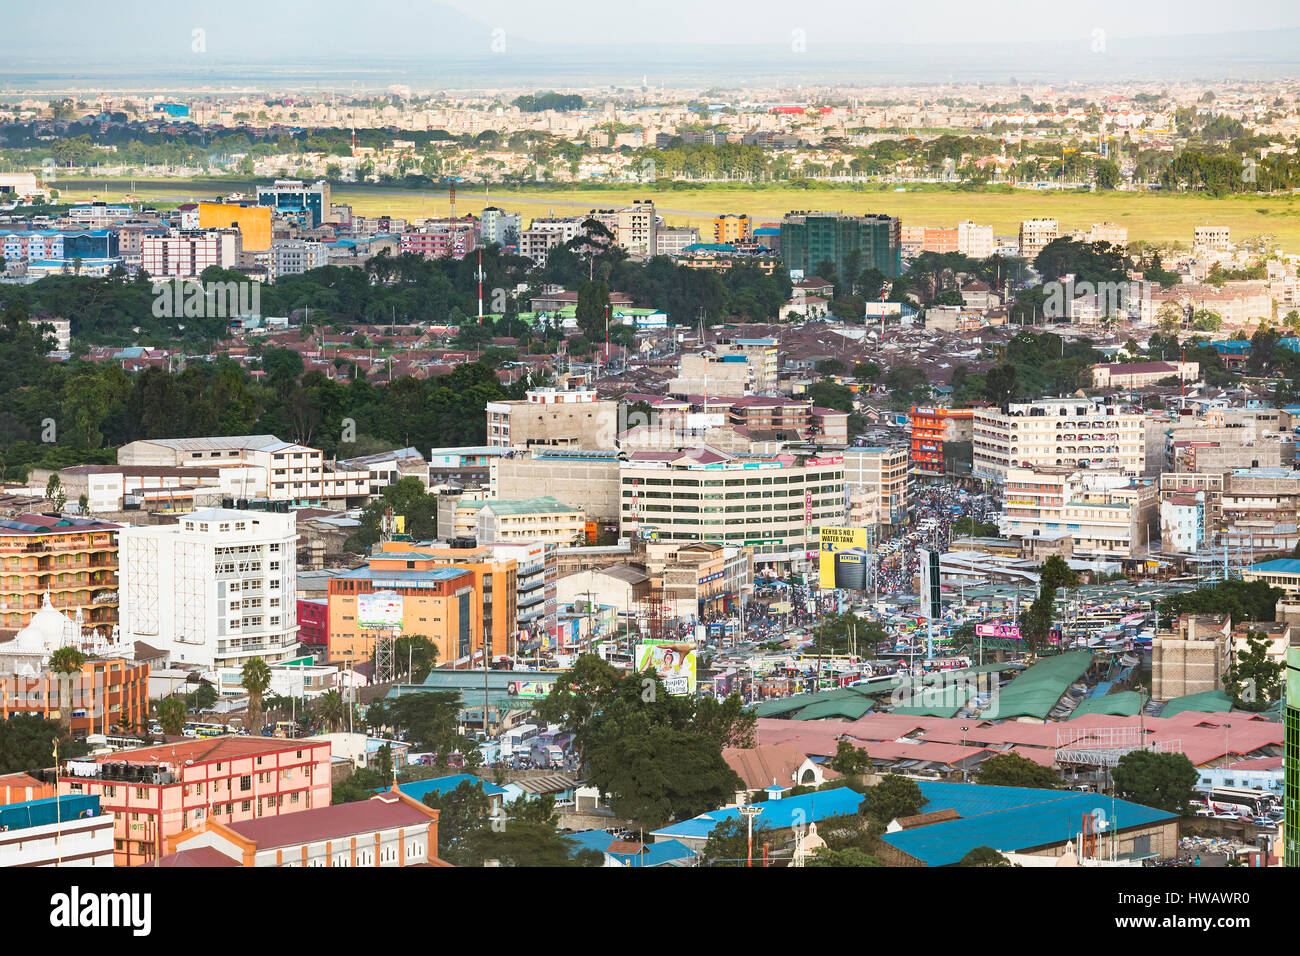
x: 843, y: 557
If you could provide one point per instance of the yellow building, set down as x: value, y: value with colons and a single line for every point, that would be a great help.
x: 732, y: 228
x: 253, y: 222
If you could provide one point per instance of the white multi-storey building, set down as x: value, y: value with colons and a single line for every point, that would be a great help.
x: 1057, y: 433
x: 214, y: 589
x: 257, y: 466
x: 771, y: 506
x: 497, y: 225
x: 975, y: 241
x: 186, y: 254
x: 1035, y: 234
x: 291, y: 257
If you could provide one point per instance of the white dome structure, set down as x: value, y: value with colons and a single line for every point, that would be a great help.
x: 48, y: 630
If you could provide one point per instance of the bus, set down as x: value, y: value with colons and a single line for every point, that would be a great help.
x: 518, y: 740
x: 195, y: 729
x: 1240, y: 800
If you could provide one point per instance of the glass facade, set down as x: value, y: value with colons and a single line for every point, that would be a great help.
x: 852, y: 243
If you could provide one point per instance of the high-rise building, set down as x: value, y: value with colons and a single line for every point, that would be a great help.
x: 1056, y: 433
x: 214, y: 589
x: 975, y: 242
x: 72, y: 560
x: 880, y: 473
x: 851, y: 243
x: 503, y: 228
x: 1035, y: 234
x: 295, y: 197
x: 934, y: 428
x: 636, y: 227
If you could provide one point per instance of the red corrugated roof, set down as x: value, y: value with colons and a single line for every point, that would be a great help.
x: 384, y: 811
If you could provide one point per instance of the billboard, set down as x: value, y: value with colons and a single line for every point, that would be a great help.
x: 528, y: 689
x: 843, y: 560
x: 674, y: 662
x: 997, y: 629
x: 927, y: 563
x: 380, y: 611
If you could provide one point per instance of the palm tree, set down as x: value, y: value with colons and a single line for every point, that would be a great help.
x: 256, y: 679
x: 65, y: 662
x: 171, y: 714
x: 328, y: 708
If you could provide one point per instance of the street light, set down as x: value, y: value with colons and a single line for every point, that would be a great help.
x: 750, y: 811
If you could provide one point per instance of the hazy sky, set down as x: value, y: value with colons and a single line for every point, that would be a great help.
x: 905, y: 21
x: 255, y: 27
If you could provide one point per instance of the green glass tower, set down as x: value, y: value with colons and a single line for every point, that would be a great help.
x: 852, y: 243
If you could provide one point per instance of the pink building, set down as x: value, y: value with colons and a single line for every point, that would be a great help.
x: 440, y: 242
x: 158, y: 792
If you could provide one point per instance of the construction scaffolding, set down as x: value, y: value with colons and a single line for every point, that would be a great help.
x: 1104, y: 746
x: 384, y: 643
x: 652, y: 613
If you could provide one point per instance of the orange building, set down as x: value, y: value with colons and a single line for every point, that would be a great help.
x: 253, y: 222
x: 931, y: 427
x: 405, y: 593
x: 108, y: 694
x: 73, y: 559
x: 496, y: 580
x: 22, y: 787
x: 158, y: 792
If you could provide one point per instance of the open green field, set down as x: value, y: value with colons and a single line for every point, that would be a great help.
x: 1154, y: 217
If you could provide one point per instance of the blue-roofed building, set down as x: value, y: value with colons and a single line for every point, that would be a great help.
x: 1025, y: 820
x: 1282, y: 573
x: 783, y: 814
x: 56, y: 831
x: 419, y: 789
x: 629, y: 853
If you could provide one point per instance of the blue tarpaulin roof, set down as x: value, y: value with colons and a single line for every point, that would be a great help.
x: 1010, y: 819
x: 777, y: 814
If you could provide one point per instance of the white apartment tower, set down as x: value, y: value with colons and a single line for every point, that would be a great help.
x: 214, y: 589
x: 1035, y: 234
x: 975, y: 241
x: 1057, y: 433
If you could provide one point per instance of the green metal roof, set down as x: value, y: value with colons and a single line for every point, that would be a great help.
x: 527, y: 506
x: 1035, y: 692
x: 1206, y: 702
x: 851, y: 709
x: 1123, y: 704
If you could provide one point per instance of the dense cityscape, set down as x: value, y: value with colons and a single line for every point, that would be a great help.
x: 651, y: 473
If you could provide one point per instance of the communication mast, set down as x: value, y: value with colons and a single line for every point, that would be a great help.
x: 385, y: 639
